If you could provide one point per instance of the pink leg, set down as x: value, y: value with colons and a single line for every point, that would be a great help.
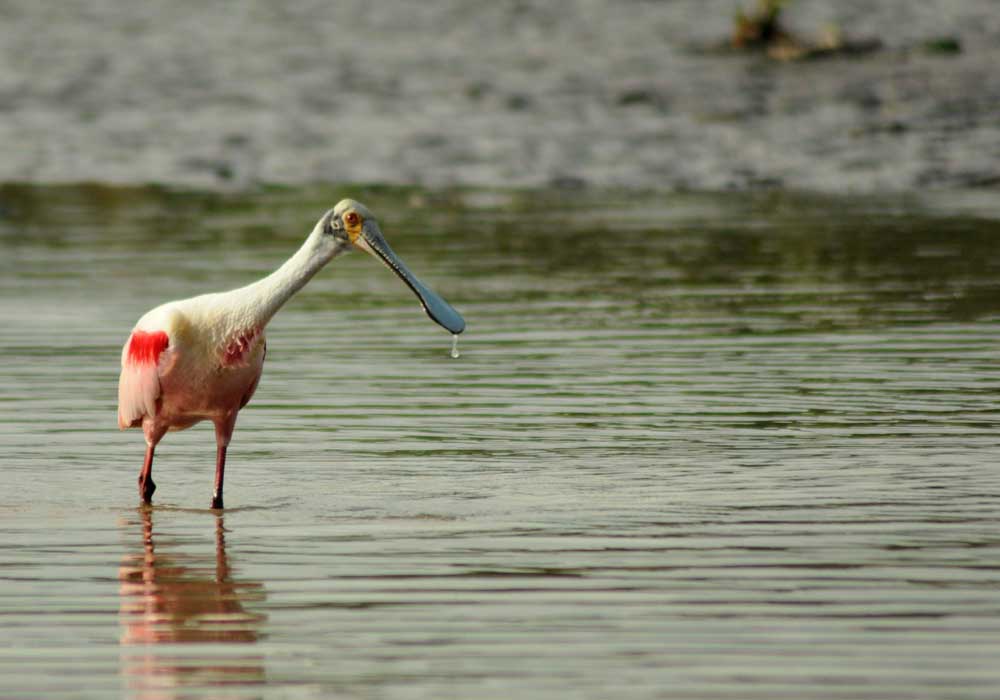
x: 223, y: 433
x: 146, y: 485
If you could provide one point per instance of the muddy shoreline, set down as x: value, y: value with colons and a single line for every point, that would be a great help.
x: 500, y: 95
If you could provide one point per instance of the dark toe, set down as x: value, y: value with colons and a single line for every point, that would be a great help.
x: 146, y: 490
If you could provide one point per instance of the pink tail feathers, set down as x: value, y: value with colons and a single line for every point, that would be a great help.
x: 139, y: 383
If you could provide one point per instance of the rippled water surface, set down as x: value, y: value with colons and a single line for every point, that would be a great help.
x: 695, y: 446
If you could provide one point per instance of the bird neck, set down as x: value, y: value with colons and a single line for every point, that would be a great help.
x: 264, y: 298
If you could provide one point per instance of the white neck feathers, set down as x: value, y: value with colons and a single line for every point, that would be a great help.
x: 262, y: 299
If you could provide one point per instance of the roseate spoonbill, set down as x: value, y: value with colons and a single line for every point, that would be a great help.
x: 201, y: 358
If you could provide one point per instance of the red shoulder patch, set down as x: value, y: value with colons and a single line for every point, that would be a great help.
x: 145, y: 348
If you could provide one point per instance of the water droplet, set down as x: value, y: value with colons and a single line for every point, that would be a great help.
x: 454, y: 347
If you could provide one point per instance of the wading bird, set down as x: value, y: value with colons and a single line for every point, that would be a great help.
x: 201, y: 358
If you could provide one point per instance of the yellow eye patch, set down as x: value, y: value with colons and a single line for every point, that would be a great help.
x: 352, y: 222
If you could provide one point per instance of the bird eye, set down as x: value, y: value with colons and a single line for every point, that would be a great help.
x: 352, y: 218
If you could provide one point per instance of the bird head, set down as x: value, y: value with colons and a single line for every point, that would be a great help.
x: 352, y: 225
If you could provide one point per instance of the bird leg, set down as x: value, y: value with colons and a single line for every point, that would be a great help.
x: 220, y: 468
x: 223, y: 432
x: 146, y: 485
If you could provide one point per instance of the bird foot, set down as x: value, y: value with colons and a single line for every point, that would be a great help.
x: 217, y: 502
x: 146, y: 489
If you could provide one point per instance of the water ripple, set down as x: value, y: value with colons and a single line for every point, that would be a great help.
x: 733, y: 453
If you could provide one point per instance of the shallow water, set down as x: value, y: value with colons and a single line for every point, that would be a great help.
x: 730, y: 446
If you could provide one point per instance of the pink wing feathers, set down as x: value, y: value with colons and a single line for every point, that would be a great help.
x: 139, y: 383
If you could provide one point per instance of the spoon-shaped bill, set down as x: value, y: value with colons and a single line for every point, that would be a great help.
x: 440, y: 311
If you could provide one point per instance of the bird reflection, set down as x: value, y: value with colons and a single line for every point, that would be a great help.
x: 172, y: 598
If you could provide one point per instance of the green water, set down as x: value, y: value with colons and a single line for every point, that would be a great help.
x: 727, y: 446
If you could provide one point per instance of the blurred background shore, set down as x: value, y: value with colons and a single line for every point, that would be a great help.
x: 498, y: 94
